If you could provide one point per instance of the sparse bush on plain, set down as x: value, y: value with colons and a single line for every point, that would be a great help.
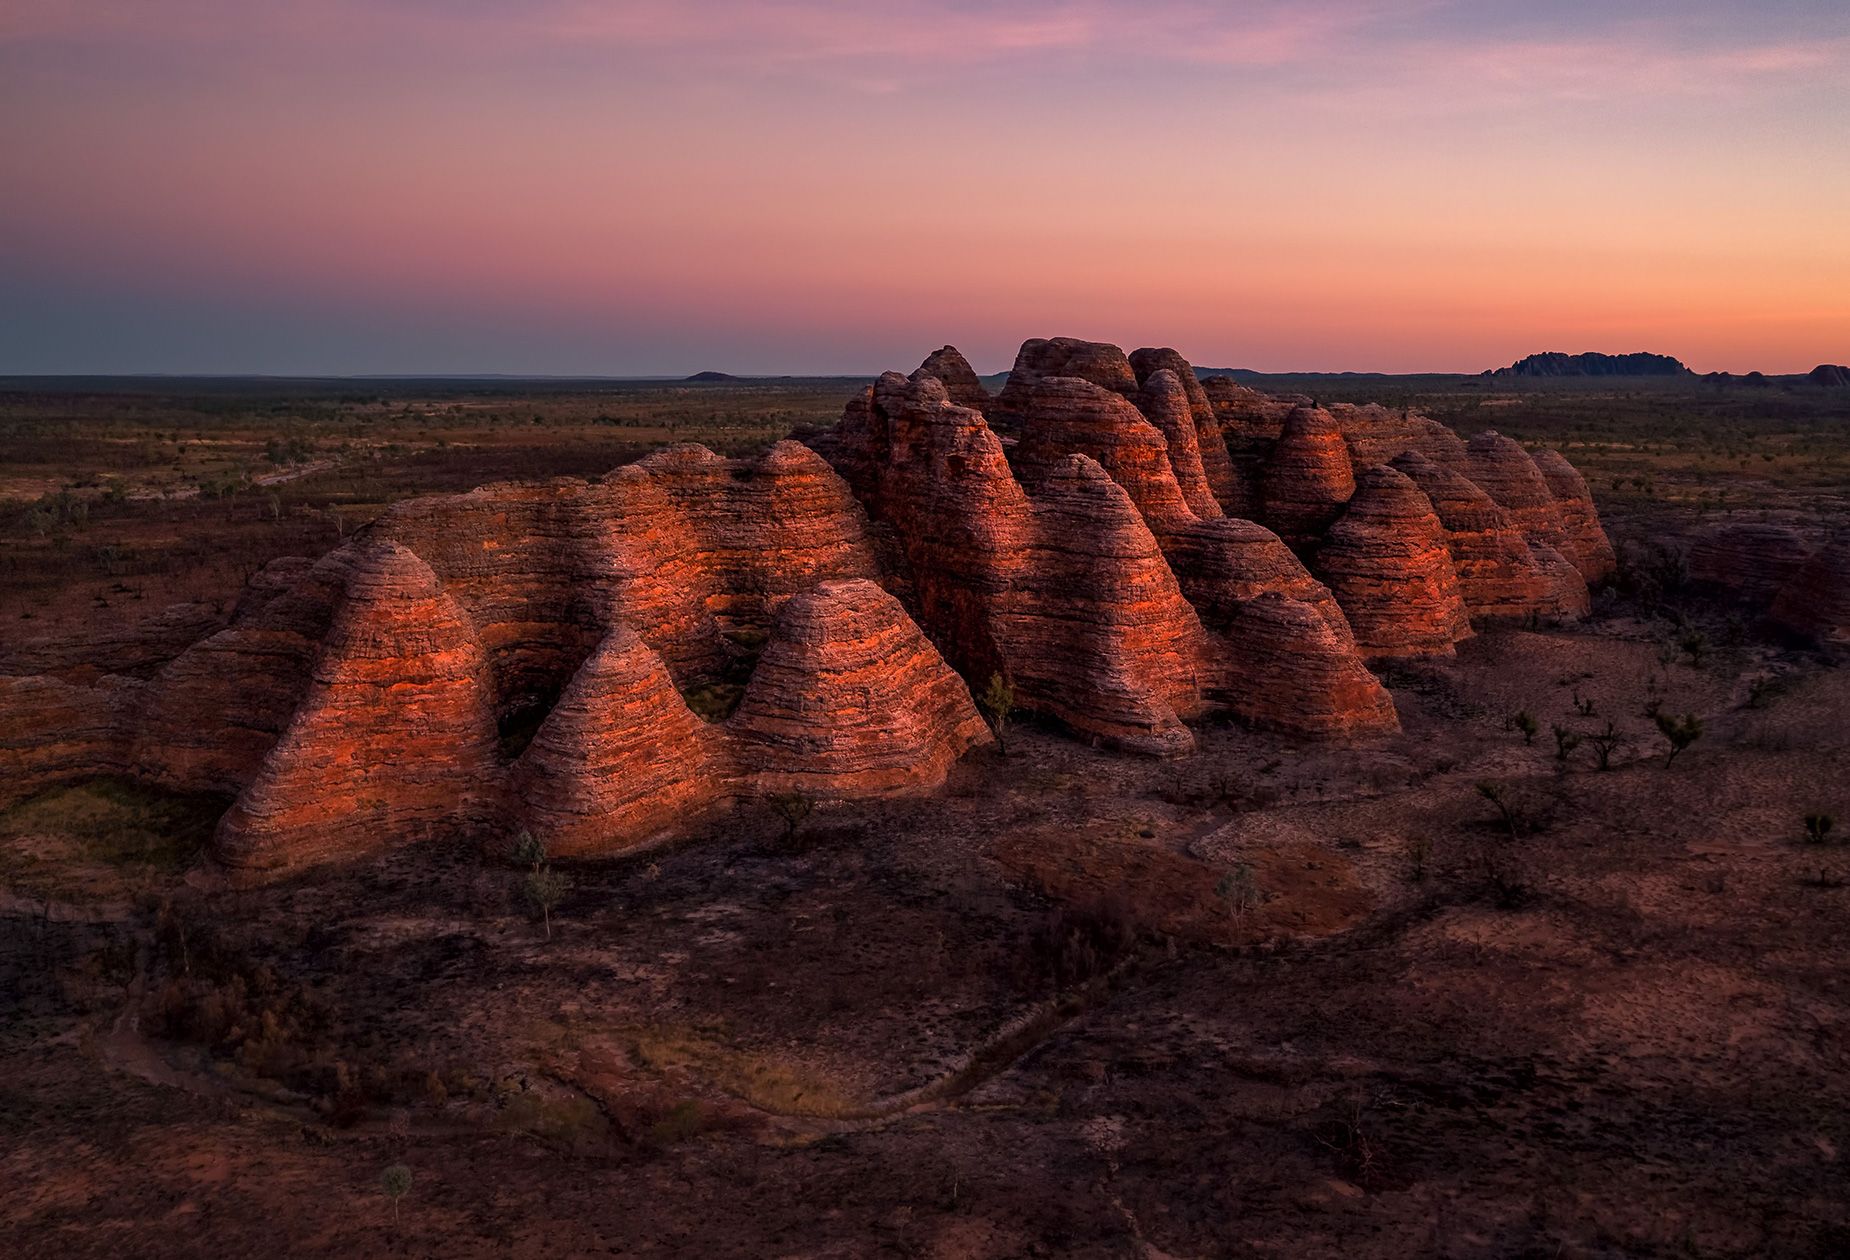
x: 1566, y: 741
x: 1604, y: 744
x: 395, y: 1182
x: 1680, y: 733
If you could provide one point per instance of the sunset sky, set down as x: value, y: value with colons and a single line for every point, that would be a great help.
x: 572, y: 187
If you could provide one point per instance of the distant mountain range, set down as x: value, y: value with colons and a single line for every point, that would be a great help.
x: 1554, y: 363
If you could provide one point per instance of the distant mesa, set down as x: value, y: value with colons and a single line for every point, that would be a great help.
x: 1555, y: 364
x: 1830, y: 375
x: 604, y: 663
x: 710, y: 378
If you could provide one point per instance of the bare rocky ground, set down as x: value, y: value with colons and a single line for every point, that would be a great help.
x: 1341, y: 1007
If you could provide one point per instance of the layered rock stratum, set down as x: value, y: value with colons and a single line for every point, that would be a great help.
x: 606, y: 663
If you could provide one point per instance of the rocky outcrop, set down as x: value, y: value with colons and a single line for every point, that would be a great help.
x: 53, y: 731
x: 621, y: 760
x: 1387, y: 563
x: 1099, y: 362
x: 1375, y: 435
x: 1748, y: 560
x: 1164, y: 402
x: 1554, y: 363
x: 1585, y: 543
x: 1216, y: 466
x: 1830, y: 376
x: 960, y: 381
x: 1245, y: 414
x: 1815, y: 602
x: 850, y: 700
x: 1307, y: 477
x: 395, y: 741
x: 1065, y: 592
x: 1508, y: 475
x: 214, y: 712
x: 1501, y: 574
x: 606, y: 662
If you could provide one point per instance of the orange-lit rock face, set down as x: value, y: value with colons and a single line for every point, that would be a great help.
x: 1227, y: 487
x: 1586, y: 543
x: 395, y: 740
x: 1377, y: 434
x: 1095, y: 361
x: 1815, y: 601
x: 850, y: 699
x: 1501, y: 575
x: 620, y: 760
x: 950, y: 369
x: 1387, y: 563
x: 1064, y: 592
x: 1510, y: 476
x: 1123, y: 659
x: 1307, y: 477
x: 215, y: 710
x: 1750, y: 561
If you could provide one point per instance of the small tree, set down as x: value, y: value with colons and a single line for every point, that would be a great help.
x: 1818, y: 827
x: 1695, y: 645
x: 1506, y: 808
x: 1680, y: 732
x: 998, y: 701
x: 1239, y: 890
x: 1525, y: 722
x: 1566, y: 741
x: 794, y: 808
x: 1605, y: 743
x: 545, y: 888
x: 542, y: 886
x: 396, y: 1183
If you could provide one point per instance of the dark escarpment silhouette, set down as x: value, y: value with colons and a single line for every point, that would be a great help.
x: 1593, y: 363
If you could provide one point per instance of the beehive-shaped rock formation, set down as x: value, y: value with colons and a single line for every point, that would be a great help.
x: 851, y: 699
x: 1307, y: 477
x: 1096, y: 361
x: 1387, y: 562
x: 1223, y: 565
x: 621, y: 760
x: 1227, y: 487
x: 1501, y: 574
x: 1508, y: 475
x: 1749, y: 560
x: 1164, y: 402
x: 1815, y: 602
x: 949, y: 368
x: 562, y: 655
x: 395, y: 739
x: 1375, y: 435
x: 1586, y: 543
x: 53, y: 730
